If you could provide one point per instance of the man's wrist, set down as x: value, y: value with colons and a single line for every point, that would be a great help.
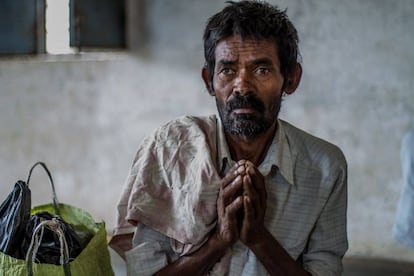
x: 218, y: 245
x: 261, y: 241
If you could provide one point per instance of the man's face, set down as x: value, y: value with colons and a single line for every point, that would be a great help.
x: 247, y: 84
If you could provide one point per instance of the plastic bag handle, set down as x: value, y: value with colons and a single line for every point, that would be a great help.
x: 55, y: 200
x: 55, y: 226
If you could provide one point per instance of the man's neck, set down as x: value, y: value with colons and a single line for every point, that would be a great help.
x: 252, y: 148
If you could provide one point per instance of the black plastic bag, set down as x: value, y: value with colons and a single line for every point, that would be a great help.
x: 49, y: 247
x: 14, y: 215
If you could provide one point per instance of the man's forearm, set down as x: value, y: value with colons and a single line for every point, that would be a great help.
x: 198, y: 263
x: 275, y: 258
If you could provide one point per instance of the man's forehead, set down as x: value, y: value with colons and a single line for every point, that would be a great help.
x: 233, y: 47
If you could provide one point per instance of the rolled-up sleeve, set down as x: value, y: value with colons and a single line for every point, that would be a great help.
x: 328, y: 241
x: 151, y: 252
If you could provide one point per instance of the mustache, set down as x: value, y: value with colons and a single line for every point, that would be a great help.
x: 247, y: 101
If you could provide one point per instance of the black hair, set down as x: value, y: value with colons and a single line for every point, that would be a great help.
x: 253, y: 20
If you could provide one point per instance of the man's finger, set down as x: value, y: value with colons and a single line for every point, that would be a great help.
x: 258, y: 181
x: 249, y: 212
x: 234, y: 206
x: 230, y: 176
x: 228, y: 192
x: 251, y: 193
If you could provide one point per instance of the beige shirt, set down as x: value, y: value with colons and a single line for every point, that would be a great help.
x: 306, y: 183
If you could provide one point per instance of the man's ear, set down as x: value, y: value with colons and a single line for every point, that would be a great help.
x: 294, y: 80
x: 207, y: 81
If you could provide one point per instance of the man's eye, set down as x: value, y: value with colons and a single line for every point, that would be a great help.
x: 262, y: 70
x: 227, y: 71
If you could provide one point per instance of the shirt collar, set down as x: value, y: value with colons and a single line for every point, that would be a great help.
x: 279, y: 153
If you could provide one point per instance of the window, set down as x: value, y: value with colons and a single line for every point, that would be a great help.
x: 92, y: 24
x: 97, y: 23
x: 22, y: 29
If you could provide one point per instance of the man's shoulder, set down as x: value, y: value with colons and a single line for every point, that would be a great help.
x: 203, y: 122
x: 182, y: 137
x: 312, y: 148
x: 186, y: 128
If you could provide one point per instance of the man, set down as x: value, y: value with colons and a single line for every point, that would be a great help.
x: 245, y: 193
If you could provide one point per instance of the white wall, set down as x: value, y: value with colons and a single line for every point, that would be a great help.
x: 85, y: 115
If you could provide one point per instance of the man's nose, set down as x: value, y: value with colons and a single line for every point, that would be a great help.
x: 242, y: 84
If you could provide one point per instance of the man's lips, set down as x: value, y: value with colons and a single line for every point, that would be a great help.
x: 244, y: 110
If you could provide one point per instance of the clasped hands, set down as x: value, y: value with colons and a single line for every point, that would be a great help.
x: 241, y: 205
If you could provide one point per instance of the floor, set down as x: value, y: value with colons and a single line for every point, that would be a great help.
x: 377, y: 267
x: 352, y: 267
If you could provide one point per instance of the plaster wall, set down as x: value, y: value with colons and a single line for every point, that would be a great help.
x: 84, y: 115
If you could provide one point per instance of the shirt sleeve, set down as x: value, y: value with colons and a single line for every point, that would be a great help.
x: 328, y: 241
x: 151, y: 252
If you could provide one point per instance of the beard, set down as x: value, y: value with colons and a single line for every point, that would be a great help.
x: 248, y: 124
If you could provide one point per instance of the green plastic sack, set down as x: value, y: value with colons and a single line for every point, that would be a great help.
x: 93, y: 260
